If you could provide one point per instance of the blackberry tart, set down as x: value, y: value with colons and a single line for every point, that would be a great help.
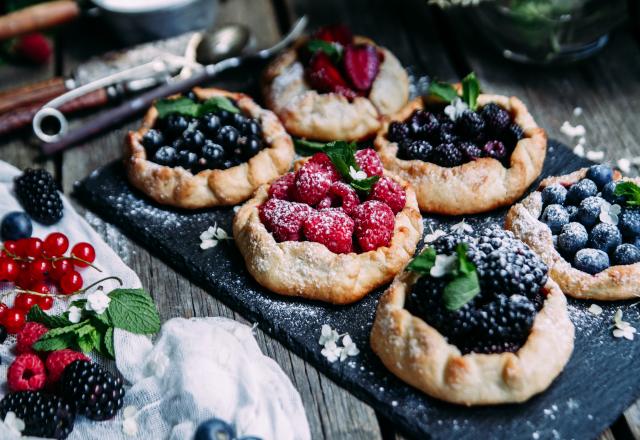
x: 475, y: 321
x: 334, y: 85
x: 210, y: 148
x: 586, y: 227
x: 463, y: 154
x: 333, y: 230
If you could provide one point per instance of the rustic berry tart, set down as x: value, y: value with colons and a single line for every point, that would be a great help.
x: 586, y: 227
x: 209, y: 148
x: 335, y: 85
x: 463, y: 155
x: 333, y: 230
x: 475, y: 321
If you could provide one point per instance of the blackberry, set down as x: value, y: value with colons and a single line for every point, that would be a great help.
x: 423, y: 124
x: 512, y: 135
x: 496, y: 118
x: 15, y: 225
x: 39, y: 196
x: 554, y: 195
x: 447, y: 155
x: 470, y: 151
x: 398, y: 132
x: 626, y: 254
x: 96, y: 393
x: 44, y: 415
x: 471, y: 126
x: 494, y: 149
x: 415, y: 150
x: 600, y: 174
x: 446, y: 135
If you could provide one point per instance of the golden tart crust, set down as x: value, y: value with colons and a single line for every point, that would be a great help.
x: 419, y: 355
x: 476, y: 186
x: 310, y: 270
x: 614, y: 283
x: 330, y: 116
x: 178, y: 187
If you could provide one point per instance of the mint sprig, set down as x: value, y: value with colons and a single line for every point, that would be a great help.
x: 333, y: 50
x: 307, y: 148
x: 448, y: 93
x: 442, y: 90
x: 132, y: 310
x: 629, y: 191
x: 463, y: 283
x: 187, y: 107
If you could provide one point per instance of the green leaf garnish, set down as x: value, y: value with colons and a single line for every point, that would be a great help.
x: 471, y: 90
x: 442, y: 90
x: 307, y: 148
x: 133, y: 310
x: 186, y: 107
x: 630, y: 191
x: 37, y: 315
x: 333, y: 50
x: 217, y: 103
x: 424, y: 262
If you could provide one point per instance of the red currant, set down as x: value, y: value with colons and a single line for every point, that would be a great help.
x: 10, y: 247
x: 39, y: 268
x: 25, y: 280
x: 3, y: 312
x: 85, y: 252
x: 45, y: 302
x: 71, y: 282
x: 21, y: 247
x: 59, y: 268
x: 14, y: 320
x: 32, y: 247
x: 25, y: 301
x: 55, y: 245
x: 9, y: 269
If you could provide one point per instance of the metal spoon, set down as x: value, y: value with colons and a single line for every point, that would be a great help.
x: 228, y: 40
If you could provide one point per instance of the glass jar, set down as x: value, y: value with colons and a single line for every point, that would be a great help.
x: 549, y: 31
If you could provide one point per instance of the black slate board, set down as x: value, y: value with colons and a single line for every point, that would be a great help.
x: 598, y: 384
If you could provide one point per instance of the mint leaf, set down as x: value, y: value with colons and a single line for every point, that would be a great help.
x: 88, y: 339
x: 217, y: 103
x: 37, y: 315
x: 464, y: 265
x: 333, y: 50
x: 442, y: 90
x: 471, y: 90
x: 423, y: 263
x: 342, y: 155
x: 69, y: 329
x: 364, y: 184
x: 630, y: 191
x: 182, y: 106
x: 108, y: 343
x: 308, y: 148
x: 460, y: 290
x: 56, y: 343
x: 133, y: 310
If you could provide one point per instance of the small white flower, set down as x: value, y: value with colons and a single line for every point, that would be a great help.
x: 357, y: 175
x: 327, y: 334
x: 625, y: 165
x: 595, y: 156
x: 595, y: 309
x: 13, y: 423
x: 430, y: 238
x: 622, y: 328
x: 462, y: 228
x: 577, y: 111
x: 75, y: 314
x: 97, y: 301
x: 571, y: 131
x: 443, y: 265
x: 578, y: 150
x: 130, y: 427
x: 210, y: 238
x: 350, y: 348
x: 455, y: 109
x: 609, y: 213
x: 331, y: 351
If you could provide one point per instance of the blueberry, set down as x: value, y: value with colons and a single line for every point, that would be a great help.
x: 555, y: 216
x: 589, y: 211
x: 604, y: 237
x: 600, y: 174
x: 16, y: 225
x: 554, y: 195
x: 415, y: 150
x: 591, y: 261
x: 226, y: 117
x: 626, y: 254
x: 573, y: 212
x: 193, y: 140
x: 608, y: 193
x: 215, y: 429
x: 152, y: 140
x: 175, y: 124
x: 213, y: 154
x: 249, y: 146
x: 251, y: 128
x: 3, y: 334
x: 209, y: 124
x: 580, y: 191
x: 187, y: 159
x: 629, y: 223
x: 165, y: 156
x: 572, y: 238
x: 227, y: 137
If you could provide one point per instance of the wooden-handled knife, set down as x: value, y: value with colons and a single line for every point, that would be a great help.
x: 38, y: 17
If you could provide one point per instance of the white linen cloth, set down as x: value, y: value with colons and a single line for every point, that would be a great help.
x: 197, y: 369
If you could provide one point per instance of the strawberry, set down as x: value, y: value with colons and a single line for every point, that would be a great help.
x: 337, y: 33
x: 362, y: 64
x: 326, y: 78
x: 34, y: 48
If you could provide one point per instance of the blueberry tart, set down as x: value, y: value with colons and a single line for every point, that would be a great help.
x: 463, y: 157
x: 333, y: 230
x: 475, y: 321
x: 586, y: 227
x: 334, y: 85
x: 210, y: 148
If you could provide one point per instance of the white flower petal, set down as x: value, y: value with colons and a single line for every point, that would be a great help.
x: 443, y: 265
x: 617, y: 333
x: 595, y: 309
x: 462, y: 228
x: 208, y: 244
x: 130, y: 427
x: 346, y: 341
x: 578, y: 150
x: 430, y: 238
x: 617, y: 317
x: 129, y: 412
x: 572, y: 131
x: 624, y: 165
x: 75, y: 314
x: 596, y: 156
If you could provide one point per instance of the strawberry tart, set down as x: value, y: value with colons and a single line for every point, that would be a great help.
x: 333, y: 230
x: 334, y: 85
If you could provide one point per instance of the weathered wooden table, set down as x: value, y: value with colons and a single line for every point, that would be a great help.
x: 441, y: 44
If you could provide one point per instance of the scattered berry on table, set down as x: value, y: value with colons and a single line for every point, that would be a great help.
x: 214, y: 429
x: 58, y: 360
x: 369, y: 162
x: 374, y: 224
x: 589, y: 211
x: 9, y: 270
x: 14, y: 320
x: 555, y: 216
x: 26, y: 373
x: 600, y: 174
x: 16, y: 225
x: 580, y: 191
x: 55, y: 244
x: 44, y: 415
x: 25, y: 302
x: 629, y: 223
x: 71, y: 282
x: 572, y: 238
x: 3, y: 333
x: 84, y: 252
x: 37, y: 193
x: 331, y: 227
x: 604, y: 237
x: 554, y: 195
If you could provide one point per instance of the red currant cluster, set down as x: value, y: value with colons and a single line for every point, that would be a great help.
x: 32, y: 264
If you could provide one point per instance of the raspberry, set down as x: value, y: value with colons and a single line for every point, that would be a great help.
x: 312, y: 183
x: 332, y: 228
x: 390, y: 192
x: 284, y: 219
x: 374, y: 222
x: 343, y: 195
x: 28, y: 336
x: 324, y: 203
x: 57, y: 361
x: 35, y: 48
x: 325, y: 161
x: 369, y: 162
x: 281, y: 188
x: 26, y: 373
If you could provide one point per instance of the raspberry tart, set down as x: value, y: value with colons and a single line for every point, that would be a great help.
x: 335, y: 85
x: 475, y: 321
x: 586, y: 227
x: 209, y: 148
x: 333, y: 230
x: 463, y: 156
